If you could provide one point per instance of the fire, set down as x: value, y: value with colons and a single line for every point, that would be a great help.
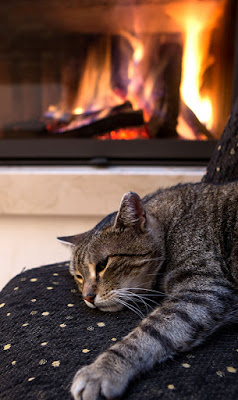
x: 96, y: 96
x: 78, y: 111
x: 191, y: 77
x: 137, y: 84
x: 197, y: 21
x: 95, y: 91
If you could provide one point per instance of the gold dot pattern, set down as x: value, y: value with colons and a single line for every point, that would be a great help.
x: 90, y: 328
x: 96, y: 327
x: 220, y: 373
x: 171, y: 387
x: 232, y: 370
x: 100, y: 324
x: 186, y: 365
x: 56, y: 364
x: 43, y: 361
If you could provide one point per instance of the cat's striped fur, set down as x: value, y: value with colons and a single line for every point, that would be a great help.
x: 181, y: 241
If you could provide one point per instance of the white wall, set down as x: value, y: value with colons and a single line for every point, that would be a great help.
x: 30, y: 241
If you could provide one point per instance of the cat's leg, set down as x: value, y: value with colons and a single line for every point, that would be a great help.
x: 179, y: 324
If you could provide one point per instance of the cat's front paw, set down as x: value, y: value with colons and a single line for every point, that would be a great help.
x: 98, y: 378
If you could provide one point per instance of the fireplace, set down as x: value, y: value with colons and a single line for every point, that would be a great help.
x: 127, y: 82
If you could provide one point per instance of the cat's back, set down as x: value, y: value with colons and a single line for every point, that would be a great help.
x: 194, y: 198
x: 203, y: 231
x: 217, y: 201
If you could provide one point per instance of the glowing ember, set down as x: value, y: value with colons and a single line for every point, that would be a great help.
x: 126, y: 134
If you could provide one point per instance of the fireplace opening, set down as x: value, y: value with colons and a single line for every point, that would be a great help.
x: 122, y: 82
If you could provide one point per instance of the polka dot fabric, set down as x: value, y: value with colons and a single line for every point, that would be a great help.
x: 47, y: 334
x: 223, y: 165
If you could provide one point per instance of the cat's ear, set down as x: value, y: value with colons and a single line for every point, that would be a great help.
x: 131, y: 212
x: 73, y: 240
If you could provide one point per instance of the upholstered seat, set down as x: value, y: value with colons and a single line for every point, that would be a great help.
x: 47, y: 333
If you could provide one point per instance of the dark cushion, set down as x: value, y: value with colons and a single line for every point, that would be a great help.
x: 223, y: 165
x: 47, y: 333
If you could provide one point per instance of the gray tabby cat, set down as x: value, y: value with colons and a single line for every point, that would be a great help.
x: 188, y: 237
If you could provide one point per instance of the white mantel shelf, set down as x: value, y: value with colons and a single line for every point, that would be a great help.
x: 75, y: 191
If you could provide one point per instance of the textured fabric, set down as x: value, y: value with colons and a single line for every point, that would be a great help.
x: 47, y: 333
x: 223, y: 165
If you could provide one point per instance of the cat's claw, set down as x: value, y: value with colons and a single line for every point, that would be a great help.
x: 92, y: 380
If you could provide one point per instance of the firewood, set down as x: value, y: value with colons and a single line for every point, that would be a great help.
x: 103, y: 125
x: 193, y: 122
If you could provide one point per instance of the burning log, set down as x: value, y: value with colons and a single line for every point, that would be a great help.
x: 193, y: 122
x: 87, y: 125
x: 107, y: 124
x: 126, y: 106
x: 93, y: 123
x: 166, y: 92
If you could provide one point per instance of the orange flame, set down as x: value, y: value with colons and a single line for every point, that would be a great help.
x: 192, y: 66
x: 196, y: 21
x: 95, y: 92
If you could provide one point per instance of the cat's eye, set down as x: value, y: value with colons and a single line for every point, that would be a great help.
x: 79, y: 276
x: 101, y: 265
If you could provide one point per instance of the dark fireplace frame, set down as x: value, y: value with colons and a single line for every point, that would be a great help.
x: 103, y: 153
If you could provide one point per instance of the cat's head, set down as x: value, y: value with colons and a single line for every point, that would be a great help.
x: 118, y: 257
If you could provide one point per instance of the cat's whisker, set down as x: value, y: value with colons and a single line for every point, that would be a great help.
x: 136, y: 300
x: 152, y: 301
x: 155, y: 259
x: 135, y: 297
x: 131, y: 307
x: 155, y: 274
x: 154, y: 292
x: 124, y: 294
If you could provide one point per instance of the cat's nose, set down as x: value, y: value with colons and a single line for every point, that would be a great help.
x: 89, y: 297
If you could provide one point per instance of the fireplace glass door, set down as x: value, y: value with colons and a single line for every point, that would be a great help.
x: 105, y: 81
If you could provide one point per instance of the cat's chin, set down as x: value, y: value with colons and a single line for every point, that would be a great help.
x: 109, y: 308
x: 112, y: 308
x: 91, y: 305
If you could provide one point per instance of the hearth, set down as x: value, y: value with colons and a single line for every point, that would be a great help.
x: 127, y: 82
